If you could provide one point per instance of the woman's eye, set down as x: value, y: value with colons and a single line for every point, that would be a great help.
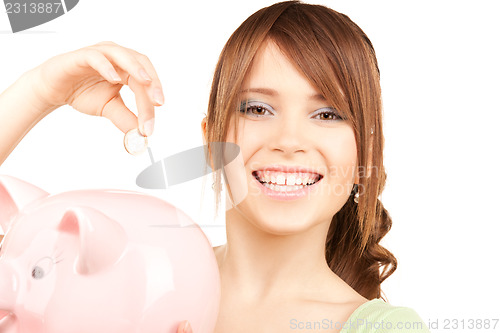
x: 259, y: 110
x: 256, y: 110
x: 328, y: 115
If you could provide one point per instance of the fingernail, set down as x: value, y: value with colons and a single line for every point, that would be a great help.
x: 145, y: 75
x: 114, y: 75
x: 187, y: 328
x: 149, y: 126
x: 158, y: 97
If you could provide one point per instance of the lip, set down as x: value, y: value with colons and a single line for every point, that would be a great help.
x: 289, y: 195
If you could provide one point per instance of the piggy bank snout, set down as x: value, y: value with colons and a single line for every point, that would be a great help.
x: 8, y: 283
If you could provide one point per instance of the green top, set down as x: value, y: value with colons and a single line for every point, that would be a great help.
x: 381, y: 317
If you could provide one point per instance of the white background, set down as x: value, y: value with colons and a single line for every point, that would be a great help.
x: 440, y: 78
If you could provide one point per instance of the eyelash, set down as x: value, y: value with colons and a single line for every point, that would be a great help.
x: 332, y: 112
x: 246, y: 107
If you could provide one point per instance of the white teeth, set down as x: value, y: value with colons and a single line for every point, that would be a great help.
x: 286, y: 181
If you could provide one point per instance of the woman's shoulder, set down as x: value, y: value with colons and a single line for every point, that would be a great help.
x: 379, y: 316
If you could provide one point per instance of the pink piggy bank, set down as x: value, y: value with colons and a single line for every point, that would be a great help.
x: 101, y: 261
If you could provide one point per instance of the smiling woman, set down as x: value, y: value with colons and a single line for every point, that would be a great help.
x: 297, y: 88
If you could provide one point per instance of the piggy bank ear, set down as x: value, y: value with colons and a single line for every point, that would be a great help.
x: 14, y: 195
x: 101, y: 239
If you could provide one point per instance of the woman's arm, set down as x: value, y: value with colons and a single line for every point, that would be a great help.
x: 89, y: 80
x: 19, y: 112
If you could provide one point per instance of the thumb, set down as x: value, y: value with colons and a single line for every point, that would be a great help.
x: 184, y: 327
x: 116, y: 111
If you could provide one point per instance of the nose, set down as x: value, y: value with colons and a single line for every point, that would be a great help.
x: 7, y: 287
x: 289, y: 136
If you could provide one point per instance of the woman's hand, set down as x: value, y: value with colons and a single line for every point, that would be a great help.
x: 90, y: 79
x: 184, y: 327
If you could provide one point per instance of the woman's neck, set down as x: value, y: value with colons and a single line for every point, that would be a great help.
x: 260, y: 266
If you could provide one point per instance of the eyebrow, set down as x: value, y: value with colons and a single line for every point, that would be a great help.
x: 272, y: 92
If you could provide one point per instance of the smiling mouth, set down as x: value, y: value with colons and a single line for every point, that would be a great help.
x: 286, y: 180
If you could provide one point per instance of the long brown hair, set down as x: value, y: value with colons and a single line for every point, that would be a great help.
x: 336, y: 56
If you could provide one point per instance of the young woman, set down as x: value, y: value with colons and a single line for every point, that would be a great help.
x: 297, y: 88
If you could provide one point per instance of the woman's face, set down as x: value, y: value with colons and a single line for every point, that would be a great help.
x: 299, y: 155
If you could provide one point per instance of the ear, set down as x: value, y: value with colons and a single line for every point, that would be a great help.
x: 14, y: 195
x: 356, y: 178
x: 205, y: 142
x: 101, y: 239
x: 204, y: 130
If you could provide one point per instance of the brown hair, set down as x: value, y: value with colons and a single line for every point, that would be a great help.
x: 336, y: 56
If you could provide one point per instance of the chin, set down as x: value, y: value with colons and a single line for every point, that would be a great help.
x: 279, y: 221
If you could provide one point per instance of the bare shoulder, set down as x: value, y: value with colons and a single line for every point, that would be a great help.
x: 286, y: 316
x: 328, y: 308
x: 328, y: 316
x: 313, y: 316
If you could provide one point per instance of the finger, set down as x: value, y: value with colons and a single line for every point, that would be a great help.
x: 124, y: 59
x: 180, y: 328
x: 154, y: 90
x: 97, y: 61
x: 116, y: 111
x: 184, y: 327
x: 188, y: 328
x: 145, y: 108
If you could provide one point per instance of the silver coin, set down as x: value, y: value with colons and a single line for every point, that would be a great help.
x: 135, y: 143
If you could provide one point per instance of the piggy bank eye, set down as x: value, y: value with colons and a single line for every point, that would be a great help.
x: 42, y: 268
x: 37, y: 273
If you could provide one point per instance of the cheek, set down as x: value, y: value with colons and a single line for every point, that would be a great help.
x: 340, y: 151
x: 250, y: 137
x: 236, y: 171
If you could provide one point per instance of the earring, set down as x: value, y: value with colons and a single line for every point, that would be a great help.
x: 356, y: 196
